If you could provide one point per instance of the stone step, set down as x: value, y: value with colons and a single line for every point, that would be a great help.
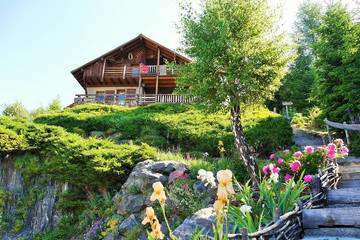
x: 344, y: 196
x: 349, y: 184
x: 330, y: 217
x: 343, y: 205
x: 350, y: 169
x: 332, y: 233
x: 348, y: 161
x: 350, y: 176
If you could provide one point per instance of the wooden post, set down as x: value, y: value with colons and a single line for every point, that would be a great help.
x: 124, y: 73
x: 328, y: 130
x: 157, y: 72
x: 347, y: 135
x: 103, y: 71
x: 244, y: 234
x: 140, y: 79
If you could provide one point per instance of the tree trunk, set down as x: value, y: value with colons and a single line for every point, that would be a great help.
x: 242, y: 147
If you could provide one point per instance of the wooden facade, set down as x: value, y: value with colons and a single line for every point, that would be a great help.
x: 137, y: 67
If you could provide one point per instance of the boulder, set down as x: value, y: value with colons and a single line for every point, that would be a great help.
x: 135, y: 193
x: 146, y: 173
x: 203, y: 219
x: 131, y: 203
x: 128, y: 224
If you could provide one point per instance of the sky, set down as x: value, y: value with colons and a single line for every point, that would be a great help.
x: 41, y: 41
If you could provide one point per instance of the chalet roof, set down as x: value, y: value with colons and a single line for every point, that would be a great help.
x: 130, y: 44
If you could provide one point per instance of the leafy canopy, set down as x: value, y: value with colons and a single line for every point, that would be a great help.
x: 336, y: 62
x: 299, y: 81
x: 238, y: 57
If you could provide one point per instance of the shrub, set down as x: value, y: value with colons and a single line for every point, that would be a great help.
x: 86, y: 163
x: 166, y: 126
x: 16, y: 110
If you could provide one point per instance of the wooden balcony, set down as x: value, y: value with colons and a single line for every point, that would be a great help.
x: 125, y: 71
x: 131, y: 99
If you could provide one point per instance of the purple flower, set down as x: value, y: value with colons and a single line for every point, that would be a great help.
x: 266, y: 169
x: 272, y: 156
x: 288, y: 177
x: 280, y: 161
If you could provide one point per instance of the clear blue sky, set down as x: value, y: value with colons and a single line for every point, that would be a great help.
x: 41, y: 41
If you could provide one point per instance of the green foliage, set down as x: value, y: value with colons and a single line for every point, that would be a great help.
x: 65, y: 229
x: 184, y: 201
x: 67, y: 157
x: 16, y: 110
x: 55, y: 105
x: 169, y: 126
x: 337, y: 59
x: 237, y: 55
x: 271, y: 196
x: 298, y: 82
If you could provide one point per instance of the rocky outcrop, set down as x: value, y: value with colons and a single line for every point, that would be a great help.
x: 134, y: 194
x: 27, y: 207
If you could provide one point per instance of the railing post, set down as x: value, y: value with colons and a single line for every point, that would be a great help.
x: 328, y: 130
x: 346, y: 134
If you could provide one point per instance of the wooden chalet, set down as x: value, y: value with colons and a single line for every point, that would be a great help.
x: 134, y: 73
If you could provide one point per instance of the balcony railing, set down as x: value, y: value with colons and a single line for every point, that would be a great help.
x: 134, y: 71
x: 131, y: 99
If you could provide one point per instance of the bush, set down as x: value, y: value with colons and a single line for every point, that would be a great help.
x: 16, y: 110
x: 86, y: 163
x: 169, y: 126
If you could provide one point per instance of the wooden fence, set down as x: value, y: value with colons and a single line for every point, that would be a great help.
x: 344, y: 126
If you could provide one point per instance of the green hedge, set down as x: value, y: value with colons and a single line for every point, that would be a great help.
x: 167, y: 125
x: 86, y: 163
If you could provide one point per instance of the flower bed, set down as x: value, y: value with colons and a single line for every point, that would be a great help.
x: 275, y: 209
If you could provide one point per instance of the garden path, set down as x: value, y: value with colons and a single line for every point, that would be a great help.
x: 340, y: 219
x: 304, y: 138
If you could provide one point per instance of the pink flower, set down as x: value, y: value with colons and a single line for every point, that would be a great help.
x: 297, y: 154
x: 331, y: 154
x: 266, y: 169
x: 339, y: 142
x: 286, y: 151
x: 344, y: 150
x: 272, y: 156
x: 288, y: 177
x: 280, y: 161
x: 331, y: 147
x: 309, y: 149
x: 276, y: 170
x: 307, y: 178
x: 295, y: 166
x: 185, y: 187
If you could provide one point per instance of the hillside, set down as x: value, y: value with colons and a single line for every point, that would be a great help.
x: 166, y: 126
x: 61, y: 172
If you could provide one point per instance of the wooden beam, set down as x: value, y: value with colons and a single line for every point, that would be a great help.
x: 103, y: 70
x: 140, y: 78
x: 157, y: 71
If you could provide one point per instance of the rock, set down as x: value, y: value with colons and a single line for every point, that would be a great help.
x: 146, y: 173
x: 128, y: 224
x: 97, y: 134
x: 131, y: 203
x: 203, y: 219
